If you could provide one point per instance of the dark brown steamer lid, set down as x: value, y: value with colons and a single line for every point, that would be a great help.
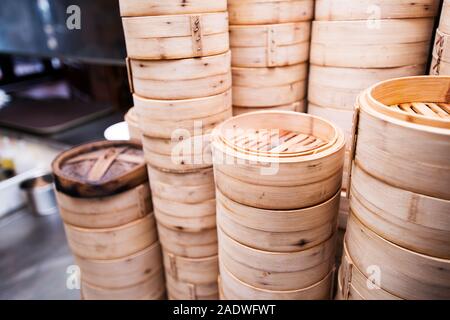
x: 100, y: 169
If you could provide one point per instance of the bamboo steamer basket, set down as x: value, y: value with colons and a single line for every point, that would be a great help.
x: 186, y: 201
x: 256, y: 12
x: 417, y: 222
x: 180, y: 79
x: 404, y: 273
x: 123, y: 272
x: 178, y: 290
x: 354, y: 285
x: 274, y: 45
x: 112, y: 243
x: 269, y: 87
x: 195, y: 271
x: 441, y: 54
x: 277, y: 230
x: 416, y: 110
x: 182, y: 154
x: 176, y: 36
x: 279, y: 271
x: 135, y: 8
x: 99, y: 169
x: 332, y: 10
x: 341, y: 117
x: 105, y: 212
x: 355, y: 44
x: 188, y: 244
x: 267, y: 177
x: 152, y: 288
x: 235, y: 289
x: 133, y: 125
x: 338, y: 88
x: 439, y: 67
x: 296, y: 106
x: 444, y: 24
x: 161, y: 118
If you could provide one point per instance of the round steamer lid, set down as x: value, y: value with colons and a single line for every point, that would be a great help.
x: 100, y: 169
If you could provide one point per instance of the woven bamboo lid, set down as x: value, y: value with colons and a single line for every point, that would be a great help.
x: 100, y: 169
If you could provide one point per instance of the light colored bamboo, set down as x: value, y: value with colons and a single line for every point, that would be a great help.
x: 133, y: 125
x: 279, y: 271
x: 270, y: 45
x: 344, y: 209
x: 122, y: 272
x: 135, y: 8
x: 411, y: 220
x: 105, y: 212
x: 234, y: 289
x: 256, y: 12
x: 162, y: 118
x: 404, y: 273
x: 358, y: 44
x: 176, y: 36
x: 331, y: 10
x: 269, y: 87
x: 277, y: 230
x: 178, y: 290
x: 181, y: 79
x: 444, y: 23
x: 112, y: 243
x: 406, y: 149
x: 255, y: 165
x: 441, y: 54
x: 299, y: 106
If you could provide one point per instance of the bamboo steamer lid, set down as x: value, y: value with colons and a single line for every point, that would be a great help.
x: 444, y: 24
x: 273, y: 45
x: 176, y: 36
x: 255, y: 12
x: 332, y: 10
x: 334, y: 87
x: 299, y: 106
x: 100, y: 169
x: 134, y: 8
x: 404, y: 273
x: 415, y: 110
x: 259, y: 157
x: 180, y: 79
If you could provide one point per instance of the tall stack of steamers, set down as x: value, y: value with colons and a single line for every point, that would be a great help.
x: 270, y: 48
x: 180, y: 76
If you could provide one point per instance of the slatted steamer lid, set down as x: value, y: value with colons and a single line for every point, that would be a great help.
x: 100, y: 169
x: 420, y: 100
x: 278, y: 135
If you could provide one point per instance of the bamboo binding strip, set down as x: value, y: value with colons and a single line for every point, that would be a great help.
x: 234, y: 289
x: 268, y: 87
x: 180, y: 79
x: 122, y: 272
x: 404, y: 273
x: 354, y: 44
x: 416, y: 110
x: 256, y: 12
x: 296, y: 106
x: 162, y: 118
x: 135, y: 8
x: 278, y: 271
x: 270, y: 45
x: 259, y: 156
x: 332, y: 10
x: 441, y: 54
x: 176, y: 36
x: 277, y: 230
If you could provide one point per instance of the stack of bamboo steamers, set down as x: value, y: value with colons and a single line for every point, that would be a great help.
x: 355, y: 44
x: 397, y: 244
x: 270, y: 48
x: 440, y: 64
x: 180, y: 77
x: 278, y: 178
x: 104, y: 199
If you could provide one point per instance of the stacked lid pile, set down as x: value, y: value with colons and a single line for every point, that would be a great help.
x: 270, y: 44
x: 397, y: 244
x: 104, y: 199
x: 440, y: 64
x: 180, y: 77
x: 355, y: 44
x: 278, y: 179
